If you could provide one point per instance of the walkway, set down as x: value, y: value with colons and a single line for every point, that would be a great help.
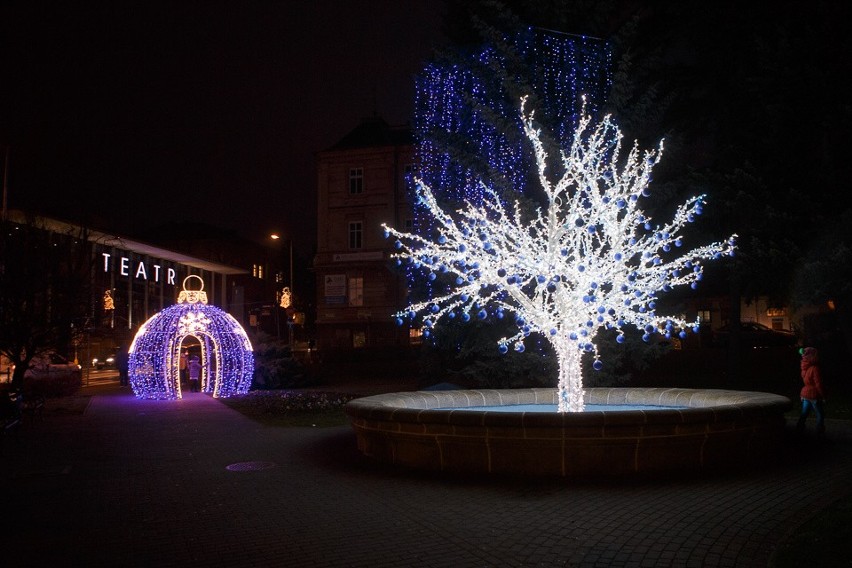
x: 143, y: 483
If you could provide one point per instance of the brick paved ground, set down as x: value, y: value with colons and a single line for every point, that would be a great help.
x: 143, y: 483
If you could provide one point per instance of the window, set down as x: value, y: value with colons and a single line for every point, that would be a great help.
x: 356, y: 180
x: 359, y: 339
x: 355, y: 233
x: 409, y: 172
x: 356, y: 291
x: 257, y: 270
x: 703, y: 317
x: 408, y: 225
x: 415, y: 336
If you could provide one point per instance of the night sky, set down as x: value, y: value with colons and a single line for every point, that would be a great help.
x: 125, y: 115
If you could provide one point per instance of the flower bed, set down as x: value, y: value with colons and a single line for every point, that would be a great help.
x: 292, y: 408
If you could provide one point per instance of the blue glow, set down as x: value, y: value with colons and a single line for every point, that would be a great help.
x: 226, y: 352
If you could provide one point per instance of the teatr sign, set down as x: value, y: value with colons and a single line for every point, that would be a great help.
x: 141, y: 271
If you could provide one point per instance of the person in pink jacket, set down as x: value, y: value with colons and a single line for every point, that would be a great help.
x: 812, y: 394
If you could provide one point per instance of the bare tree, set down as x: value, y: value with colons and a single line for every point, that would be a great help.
x: 591, y: 259
x: 44, y: 289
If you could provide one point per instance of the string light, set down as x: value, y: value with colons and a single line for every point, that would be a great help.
x: 459, y: 103
x: 226, y: 352
x: 450, y: 101
x: 589, y: 260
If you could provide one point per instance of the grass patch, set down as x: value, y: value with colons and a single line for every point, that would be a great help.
x: 288, y: 408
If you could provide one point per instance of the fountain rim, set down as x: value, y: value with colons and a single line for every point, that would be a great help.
x: 692, y: 405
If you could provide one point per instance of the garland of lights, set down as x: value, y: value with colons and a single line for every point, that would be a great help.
x: 450, y: 99
x: 226, y: 352
x: 472, y: 103
x: 591, y: 260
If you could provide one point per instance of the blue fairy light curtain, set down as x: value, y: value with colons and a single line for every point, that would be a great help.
x: 475, y: 106
x: 226, y: 353
x: 467, y: 115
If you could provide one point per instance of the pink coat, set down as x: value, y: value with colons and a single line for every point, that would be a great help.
x: 811, y: 376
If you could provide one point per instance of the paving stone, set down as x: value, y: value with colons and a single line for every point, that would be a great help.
x: 145, y: 483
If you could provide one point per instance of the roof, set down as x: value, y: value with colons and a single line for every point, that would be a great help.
x: 374, y: 131
x: 129, y: 244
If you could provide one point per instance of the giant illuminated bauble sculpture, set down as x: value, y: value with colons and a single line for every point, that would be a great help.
x: 226, y: 352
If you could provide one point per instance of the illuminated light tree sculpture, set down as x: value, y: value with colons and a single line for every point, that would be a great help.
x: 590, y: 260
x: 226, y: 352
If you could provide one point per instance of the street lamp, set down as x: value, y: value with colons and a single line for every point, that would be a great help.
x: 276, y: 237
x: 288, y: 291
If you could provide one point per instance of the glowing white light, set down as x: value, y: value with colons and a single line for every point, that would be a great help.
x: 193, y: 322
x: 590, y: 260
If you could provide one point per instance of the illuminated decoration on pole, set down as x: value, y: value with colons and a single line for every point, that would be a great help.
x: 226, y: 353
x: 109, y: 303
x: 590, y: 260
x: 286, y: 298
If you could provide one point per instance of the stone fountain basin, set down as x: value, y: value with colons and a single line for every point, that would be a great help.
x: 700, y: 429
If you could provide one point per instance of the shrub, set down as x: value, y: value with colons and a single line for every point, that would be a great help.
x: 54, y: 386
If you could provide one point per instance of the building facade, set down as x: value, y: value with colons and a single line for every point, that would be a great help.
x: 130, y: 281
x: 362, y: 182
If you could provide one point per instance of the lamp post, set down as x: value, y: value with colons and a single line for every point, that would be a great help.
x: 5, y: 184
x: 276, y: 237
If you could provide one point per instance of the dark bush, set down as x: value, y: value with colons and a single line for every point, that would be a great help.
x: 274, y: 365
x: 54, y: 386
x: 468, y: 355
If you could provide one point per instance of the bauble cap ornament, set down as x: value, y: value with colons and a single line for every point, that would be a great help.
x: 192, y: 296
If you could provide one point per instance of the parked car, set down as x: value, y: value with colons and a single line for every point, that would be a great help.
x: 106, y: 361
x: 752, y: 334
x: 52, y: 365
